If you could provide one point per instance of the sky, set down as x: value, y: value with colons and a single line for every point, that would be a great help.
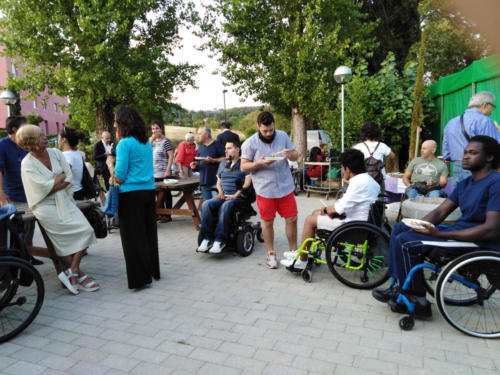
x: 208, y: 95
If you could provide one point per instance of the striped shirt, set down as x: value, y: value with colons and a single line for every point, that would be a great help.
x: 160, y: 156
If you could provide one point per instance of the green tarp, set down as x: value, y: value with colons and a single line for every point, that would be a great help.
x: 451, y: 94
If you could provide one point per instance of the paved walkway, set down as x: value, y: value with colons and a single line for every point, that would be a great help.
x: 229, y: 315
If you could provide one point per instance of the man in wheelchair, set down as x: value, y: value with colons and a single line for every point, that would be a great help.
x: 230, y: 182
x: 362, y: 191
x: 478, y: 197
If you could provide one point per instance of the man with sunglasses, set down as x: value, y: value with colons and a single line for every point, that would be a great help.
x: 459, y: 130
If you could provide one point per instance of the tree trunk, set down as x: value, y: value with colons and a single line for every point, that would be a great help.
x: 299, y: 134
x: 417, y: 116
x: 104, y: 119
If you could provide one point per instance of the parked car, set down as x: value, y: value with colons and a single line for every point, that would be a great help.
x: 318, y: 138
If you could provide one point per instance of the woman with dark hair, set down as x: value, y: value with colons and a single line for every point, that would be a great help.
x: 68, y: 140
x: 136, y: 204
x: 163, y: 157
x: 372, y: 146
x: 316, y: 171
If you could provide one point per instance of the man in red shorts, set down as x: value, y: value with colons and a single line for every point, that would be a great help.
x: 272, y: 180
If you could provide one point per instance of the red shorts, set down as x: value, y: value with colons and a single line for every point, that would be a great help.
x: 285, y: 206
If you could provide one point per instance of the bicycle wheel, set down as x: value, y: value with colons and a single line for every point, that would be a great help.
x: 357, y: 255
x: 473, y: 278
x: 21, y: 296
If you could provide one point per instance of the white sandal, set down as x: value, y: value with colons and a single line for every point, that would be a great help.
x: 90, y: 287
x: 64, y: 277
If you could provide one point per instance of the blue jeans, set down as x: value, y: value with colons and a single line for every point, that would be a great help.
x: 412, y: 193
x: 208, y: 192
x: 459, y: 173
x: 224, y: 210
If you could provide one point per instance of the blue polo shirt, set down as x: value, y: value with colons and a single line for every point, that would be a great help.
x: 10, y: 164
x: 475, y: 198
x: 208, y: 172
x: 229, y: 176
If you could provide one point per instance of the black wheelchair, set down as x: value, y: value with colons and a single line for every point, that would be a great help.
x: 21, y: 286
x: 356, y: 252
x: 465, y: 285
x: 242, y: 233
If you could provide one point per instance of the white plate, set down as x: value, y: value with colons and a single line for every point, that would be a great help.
x: 170, y: 181
x: 417, y: 223
x: 200, y: 158
x: 274, y: 157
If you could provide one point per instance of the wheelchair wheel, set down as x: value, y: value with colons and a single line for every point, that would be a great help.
x: 474, y: 280
x: 357, y: 255
x: 21, y: 296
x: 245, y: 241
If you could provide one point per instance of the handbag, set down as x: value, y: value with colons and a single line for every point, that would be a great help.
x: 88, y: 187
x: 111, y: 204
x: 423, y: 188
x: 97, y: 220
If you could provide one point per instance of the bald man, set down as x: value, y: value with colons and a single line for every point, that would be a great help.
x: 102, y: 150
x: 426, y: 175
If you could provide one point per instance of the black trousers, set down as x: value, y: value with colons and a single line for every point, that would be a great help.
x: 137, y: 213
x: 167, y: 197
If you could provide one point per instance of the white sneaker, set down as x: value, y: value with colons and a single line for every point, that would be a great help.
x: 217, y: 247
x: 290, y: 254
x: 271, y: 261
x: 204, y: 246
x: 299, y: 264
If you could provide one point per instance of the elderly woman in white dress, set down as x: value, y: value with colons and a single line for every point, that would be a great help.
x: 47, y: 181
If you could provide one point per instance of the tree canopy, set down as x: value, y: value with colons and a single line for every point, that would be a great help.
x: 285, y: 52
x: 97, y: 53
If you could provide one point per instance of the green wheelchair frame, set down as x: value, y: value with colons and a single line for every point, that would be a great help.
x: 348, y: 254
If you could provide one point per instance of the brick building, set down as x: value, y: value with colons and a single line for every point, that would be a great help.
x: 54, y: 117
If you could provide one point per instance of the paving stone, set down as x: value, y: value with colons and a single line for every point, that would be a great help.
x: 231, y: 315
x: 24, y: 368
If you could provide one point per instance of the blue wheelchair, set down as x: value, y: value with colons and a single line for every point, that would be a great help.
x: 466, y: 287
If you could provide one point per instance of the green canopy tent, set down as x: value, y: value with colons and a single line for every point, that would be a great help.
x: 451, y: 94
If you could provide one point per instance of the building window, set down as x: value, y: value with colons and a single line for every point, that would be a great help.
x: 13, y: 68
x: 55, y: 108
x: 34, y: 104
x: 46, y: 127
x: 57, y: 127
x: 44, y: 106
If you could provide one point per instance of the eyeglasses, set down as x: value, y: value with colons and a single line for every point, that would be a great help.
x: 493, y: 105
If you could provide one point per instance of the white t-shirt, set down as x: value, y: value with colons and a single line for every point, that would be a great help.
x: 362, y: 191
x: 75, y: 161
x: 382, y: 150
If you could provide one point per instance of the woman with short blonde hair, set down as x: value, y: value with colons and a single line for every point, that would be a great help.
x: 47, y: 181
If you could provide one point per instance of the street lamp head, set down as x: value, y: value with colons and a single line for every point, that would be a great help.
x: 8, y: 97
x: 343, y: 74
x: 224, y: 91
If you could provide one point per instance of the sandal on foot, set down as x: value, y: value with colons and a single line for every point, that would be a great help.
x: 65, y: 277
x: 91, y: 286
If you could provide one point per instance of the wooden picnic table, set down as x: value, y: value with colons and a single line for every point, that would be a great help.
x: 49, y: 251
x: 186, y: 186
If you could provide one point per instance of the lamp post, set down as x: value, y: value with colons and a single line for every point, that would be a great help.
x: 224, y: 95
x: 8, y: 98
x: 342, y: 75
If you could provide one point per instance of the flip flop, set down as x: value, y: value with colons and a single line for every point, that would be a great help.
x: 64, y: 277
x: 90, y: 287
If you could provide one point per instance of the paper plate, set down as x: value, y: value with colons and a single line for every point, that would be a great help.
x: 274, y: 157
x: 417, y: 223
x: 170, y: 181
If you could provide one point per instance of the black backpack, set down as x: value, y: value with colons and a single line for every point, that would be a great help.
x: 373, y: 165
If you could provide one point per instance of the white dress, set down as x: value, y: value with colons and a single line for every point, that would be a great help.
x: 65, y: 224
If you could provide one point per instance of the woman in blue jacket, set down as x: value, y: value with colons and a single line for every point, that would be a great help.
x: 136, y: 207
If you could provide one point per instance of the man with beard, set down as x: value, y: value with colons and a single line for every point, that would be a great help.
x: 272, y: 180
x: 478, y: 197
